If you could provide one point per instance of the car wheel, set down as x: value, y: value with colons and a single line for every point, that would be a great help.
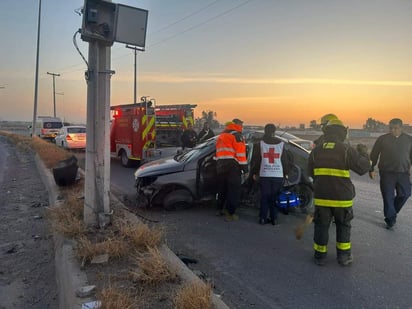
x: 306, y: 197
x: 124, y: 159
x: 179, y: 199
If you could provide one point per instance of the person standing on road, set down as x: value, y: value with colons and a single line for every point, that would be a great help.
x: 394, y: 152
x: 231, y: 162
x: 323, y: 122
x: 329, y: 165
x: 205, y: 133
x: 269, y: 165
x: 189, y: 137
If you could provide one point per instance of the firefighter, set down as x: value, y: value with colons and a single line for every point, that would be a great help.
x: 329, y: 165
x: 231, y: 162
x: 269, y: 165
x: 323, y: 122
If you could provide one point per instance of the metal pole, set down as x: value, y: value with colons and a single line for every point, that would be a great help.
x: 36, y: 82
x: 135, y: 69
x: 54, y: 91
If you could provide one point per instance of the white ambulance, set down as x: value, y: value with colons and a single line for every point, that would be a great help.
x: 48, y: 127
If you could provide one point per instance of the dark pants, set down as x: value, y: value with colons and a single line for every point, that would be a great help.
x: 395, y: 189
x: 269, y: 190
x: 322, y: 219
x: 229, y: 184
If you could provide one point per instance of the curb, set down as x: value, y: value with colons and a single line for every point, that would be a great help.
x: 69, y: 276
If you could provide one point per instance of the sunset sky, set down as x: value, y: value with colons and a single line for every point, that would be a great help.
x: 281, y: 61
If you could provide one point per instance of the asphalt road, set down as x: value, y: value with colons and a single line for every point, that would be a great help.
x: 255, y: 266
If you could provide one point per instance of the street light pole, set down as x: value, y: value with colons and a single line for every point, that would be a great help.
x: 135, y: 68
x: 54, y: 91
x: 33, y: 126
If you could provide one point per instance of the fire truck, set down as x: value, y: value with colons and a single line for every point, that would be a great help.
x: 171, y: 121
x: 132, y: 132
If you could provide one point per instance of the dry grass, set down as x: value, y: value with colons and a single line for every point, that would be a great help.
x: 140, y: 235
x: 114, y: 298
x: 152, y: 268
x: 87, y: 250
x: 48, y: 152
x: 196, y: 295
x: 67, y: 218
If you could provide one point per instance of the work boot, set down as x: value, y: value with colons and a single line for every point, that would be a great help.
x: 230, y: 218
x: 345, y: 259
x: 222, y: 212
x: 262, y: 221
x: 319, y: 261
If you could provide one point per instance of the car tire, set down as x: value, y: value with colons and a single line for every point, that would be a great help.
x: 178, y: 199
x: 305, y: 193
x: 124, y: 159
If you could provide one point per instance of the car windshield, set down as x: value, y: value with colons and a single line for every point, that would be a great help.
x: 196, y: 152
x: 76, y: 130
x: 52, y: 125
x: 286, y: 135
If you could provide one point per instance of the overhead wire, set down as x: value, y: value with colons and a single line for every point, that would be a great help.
x: 167, y: 27
x: 202, y: 23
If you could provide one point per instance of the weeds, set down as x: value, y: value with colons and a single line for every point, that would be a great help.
x: 152, y: 268
x: 87, y: 250
x: 196, y: 295
x: 113, y: 298
x: 140, y: 235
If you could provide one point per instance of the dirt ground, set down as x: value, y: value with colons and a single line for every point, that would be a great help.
x: 27, y: 277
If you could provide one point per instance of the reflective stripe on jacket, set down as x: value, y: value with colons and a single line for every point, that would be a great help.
x: 329, y: 165
x: 230, y: 144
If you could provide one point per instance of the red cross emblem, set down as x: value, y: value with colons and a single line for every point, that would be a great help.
x: 271, y: 155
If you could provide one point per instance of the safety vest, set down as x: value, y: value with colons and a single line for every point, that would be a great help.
x: 332, y: 184
x: 271, y: 164
x: 228, y: 146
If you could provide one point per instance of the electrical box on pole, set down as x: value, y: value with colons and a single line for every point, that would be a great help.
x: 109, y: 22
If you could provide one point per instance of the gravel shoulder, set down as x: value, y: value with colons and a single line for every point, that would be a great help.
x: 27, y: 268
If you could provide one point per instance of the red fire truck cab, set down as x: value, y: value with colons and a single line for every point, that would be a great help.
x: 132, y: 132
x: 171, y: 121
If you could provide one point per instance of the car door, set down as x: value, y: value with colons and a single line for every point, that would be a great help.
x: 207, y: 176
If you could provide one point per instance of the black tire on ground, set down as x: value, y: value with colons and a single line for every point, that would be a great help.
x: 178, y: 199
x: 306, y: 197
x: 124, y: 159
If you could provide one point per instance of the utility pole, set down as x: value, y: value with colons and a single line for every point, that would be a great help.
x: 36, y: 82
x: 135, y: 68
x: 54, y: 91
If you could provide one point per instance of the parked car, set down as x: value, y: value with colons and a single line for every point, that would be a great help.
x: 72, y: 137
x: 307, y: 144
x: 181, y: 180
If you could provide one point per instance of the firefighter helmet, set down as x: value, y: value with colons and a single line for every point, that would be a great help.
x: 326, y: 118
x: 334, y: 122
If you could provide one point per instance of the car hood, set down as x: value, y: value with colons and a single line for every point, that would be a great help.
x: 159, y: 167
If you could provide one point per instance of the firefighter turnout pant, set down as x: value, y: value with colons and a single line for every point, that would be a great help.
x: 322, y: 219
